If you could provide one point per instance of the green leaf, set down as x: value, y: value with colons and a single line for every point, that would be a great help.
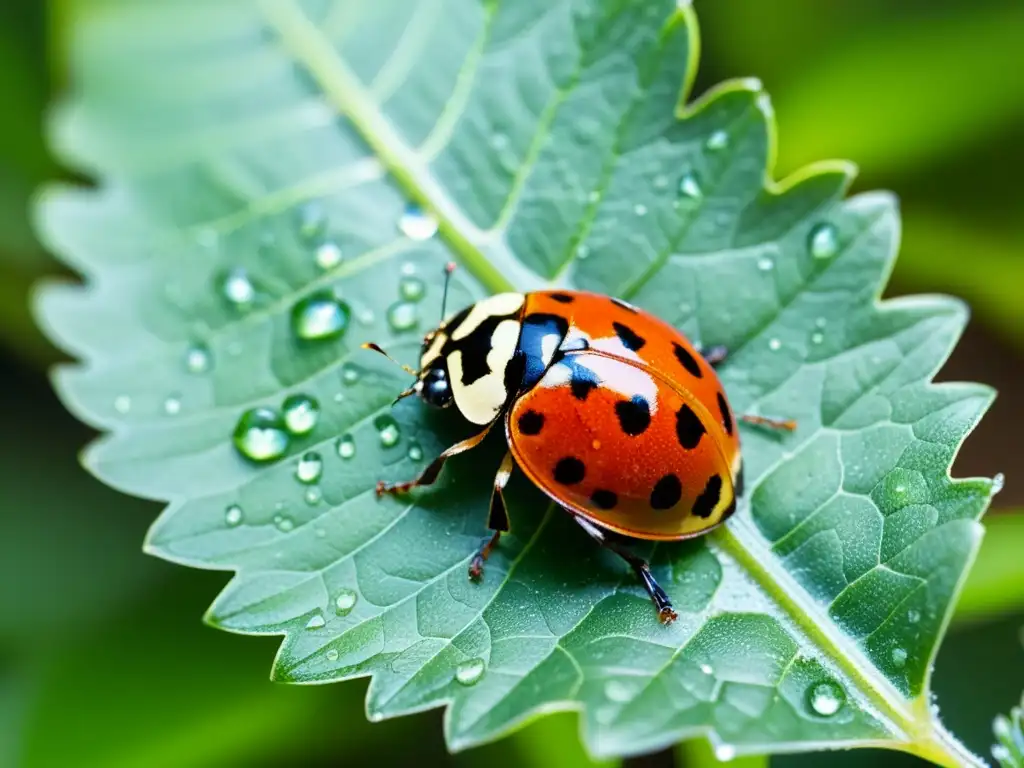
x: 1010, y: 733
x: 548, y: 141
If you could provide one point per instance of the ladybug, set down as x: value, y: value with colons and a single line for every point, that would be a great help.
x: 608, y: 410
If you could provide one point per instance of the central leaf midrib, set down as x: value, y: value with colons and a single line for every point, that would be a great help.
x: 310, y: 48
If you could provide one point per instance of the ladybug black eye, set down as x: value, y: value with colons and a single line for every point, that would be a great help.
x: 436, y: 390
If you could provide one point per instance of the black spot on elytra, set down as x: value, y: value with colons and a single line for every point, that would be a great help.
x: 709, y: 497
x: 531, y: 422
x: 667, y: 492
x: 723, y: 407
x: 624, y: 305
x: 689, y: 428
x: 688, y: 361
x: 562, y: 298
x: 569, y: 471
x: 604, y: 499
x: 634, y: 415
x: 629, y: 337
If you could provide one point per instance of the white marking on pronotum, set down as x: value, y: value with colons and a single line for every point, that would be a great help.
x: 482, y: 401
x: 433, y: 351
x: 499, y: 305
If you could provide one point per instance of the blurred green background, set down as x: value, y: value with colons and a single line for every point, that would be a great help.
x: 103, y: 658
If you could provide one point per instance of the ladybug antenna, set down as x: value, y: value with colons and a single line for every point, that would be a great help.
x: 448, y: 269
x: 376, y: 348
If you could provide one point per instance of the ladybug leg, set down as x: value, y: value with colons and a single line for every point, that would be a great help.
x: 608, y: 539
x: 429, y: 475
x: 783, y: 425
x: 497, y: 519
x: 715, y: 355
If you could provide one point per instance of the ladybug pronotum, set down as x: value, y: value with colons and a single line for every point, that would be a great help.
x: 608, y: 410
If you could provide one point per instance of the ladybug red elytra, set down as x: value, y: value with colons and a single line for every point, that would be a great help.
x: 608, y: 410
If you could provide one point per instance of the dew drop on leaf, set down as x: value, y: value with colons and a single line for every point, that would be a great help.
x: 312, y: 220
x: 402, y: 316
x: 349, y: 373
x: 408, y: 268
x: 387, y: 429
x: 469, y: 672
x: 366, y: 316
x: 415, y: 452
x: 640, y: 209
x: 717, y: 140
x: 316, y: 621
x: 774, y: 345
x: 309, y: 468
x: 899, y: 657
x: 346, y: 447
x: 725, y: 752
x: 172, y: 405
x: 283, y: 523
x: 582, y: 251
x: 618, y: 691
x: 825, y: 698
x: 261, y: 435
x: 198, y: 359
x: 237, y: 288
x: 817, y: 337
x: 328, y: 255
x: 313, y: 496
x: 765, y: 264
x: 345, y: 601
x: 320, y: 316
x: 233, y: 515
x: 689, y: 187
x: 823, y: 241
x: 707, y: 669
x: 913, y: 616
x: 331, y: 654
x: 122, y: 403
x: 411, y: 288
x: 417, y: 224
x: 301, y: 414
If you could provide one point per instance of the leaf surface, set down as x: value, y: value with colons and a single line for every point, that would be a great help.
x: 253, y: 156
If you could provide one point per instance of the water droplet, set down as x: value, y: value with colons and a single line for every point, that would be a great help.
x: 823, y: 241
x: 817, y: 337
x: 320, y: 316
x: 998, y: 482
x: 408, y: 268
x: 328, y: 255
x: 469, y: 672
x: 900, y: 489
x: 316, y: 621
x: 312, y: 220
x: 366, y: 316
x: 690, y: 187
x: 237, y: 288
x: 826, y: 698
x: 774, y: 345
x: 765, y: 264
x: 640, y: 209
x: 725, y: 752
x: 349, y: 373
x: 309, y: 468
x: 283, y: 523
x: 261, y: 435
x: 707, y: 669
x: 388, y: 430
x: 821, y: 322
x: 913, y: 616
x: 345, y: 602
x: 301, y: 414
x: 122, y: 403
x: 313, y: 496
x: 331, y: 654
x: 415, y: 452
x: 660, y: 181
x: 197, y: 359
x: 417, y: 224
x: 172, y: 405
x: 499, y: 141
x: 899, y: 657
x: 617, y: 691
x: 233, y: 515
x: 717, y: 140
x: 402, y: 316
x: 345, y: 446
x: 411, y: 288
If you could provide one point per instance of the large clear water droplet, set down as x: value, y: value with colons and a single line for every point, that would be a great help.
x: 345, y: 601
x: 316, y: 621
x: 309, y: 468
x: 346, y: 447
x: 717, y: 140
x: 198, y: 359
x: 328, y: 255
x: 823, y: 241
x: 825, y: 698
x: 689, y: 187
x: 320, y: 316
x: 301, y: 413
x: 237, y: 288
x: 403, y: 316
x: 417, y: 224
x: 233, y: 515
x: 388, y: 430
x: 899, y: 657
x: 261, y: 435
x: 411, y: 288
x: 469, y: 672
x: 312, y: 220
